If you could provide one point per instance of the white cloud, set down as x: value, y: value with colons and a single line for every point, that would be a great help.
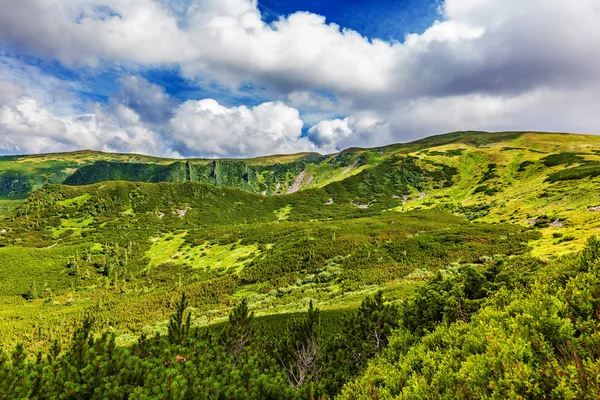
x: 327, y: 134
x: 9, y: 92
x: 310, y: 100
x: 337, y: 134
x: 207, y: 128
x: 486, y: 64
x: 56, y: 94
x: 478, y: 46
x: 295, y: 53
x: 28, y: 127
x: 86, y: 31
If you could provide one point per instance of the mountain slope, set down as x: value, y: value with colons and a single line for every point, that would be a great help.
x: 125, y: 232
x: 549, y: 179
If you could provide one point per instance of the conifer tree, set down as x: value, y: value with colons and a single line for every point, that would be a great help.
x: 31, y: 292
x: 240, y: 330
x: 368, y: 330
x: 300, y: 351
x: 179, y: 325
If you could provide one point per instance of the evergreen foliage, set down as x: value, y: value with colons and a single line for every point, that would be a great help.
x: 300, y: 350
x: 534, y: 342
x: 367, y: 331
x: 179, y: 324
x: 240, y: 331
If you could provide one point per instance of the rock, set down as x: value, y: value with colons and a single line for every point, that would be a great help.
x: 181, y: 212
x: 594, y: 209
x: 329, y: 202
x: 557, y: 224
x: 350, y: 167
x: 297, y: 183
x: 361, y: 205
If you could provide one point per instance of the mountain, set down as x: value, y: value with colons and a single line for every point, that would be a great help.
x: 443, y: 223
x: 521, y: 177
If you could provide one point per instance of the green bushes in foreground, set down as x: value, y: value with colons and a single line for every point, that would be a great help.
x: 471, y: 331
x: 543, y: 342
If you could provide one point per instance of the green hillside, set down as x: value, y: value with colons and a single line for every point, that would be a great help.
x: 469, y: 236
x: 516, y: 177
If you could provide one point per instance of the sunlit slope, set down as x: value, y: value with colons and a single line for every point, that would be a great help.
x: 370, y: 218
x: 550, y: 179
x: 130, y: 245
x: 545, y: 180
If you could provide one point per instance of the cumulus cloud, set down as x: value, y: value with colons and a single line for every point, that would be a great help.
x: 140, y: 117
x: 477, y: 46
x: 337, y: 134
x: 38, y: 113
x: 486, y: 64
x: 205, y: 127
x: 28, y: 127
x: 87, y: 31
x: 148, y: 100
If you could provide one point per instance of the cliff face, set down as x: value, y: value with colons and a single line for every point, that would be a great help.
x: 277, y: 178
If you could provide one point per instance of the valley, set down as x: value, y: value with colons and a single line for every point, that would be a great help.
x: 118, y: 238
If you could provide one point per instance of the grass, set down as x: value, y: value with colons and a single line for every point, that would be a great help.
x: 71, y: 226
x: 120, y: 252
x: 75, y: 201
x: 215, y: 256
x: 21, y: 266
x: 171, y: 248
x: 283, y: 212
x: 164, y: 248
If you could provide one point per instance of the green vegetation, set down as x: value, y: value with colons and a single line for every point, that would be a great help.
x: 505, y: 328
x: 457, y: 266
x: 540, y: 340
x: 582, y: 171
x: 563, y: 158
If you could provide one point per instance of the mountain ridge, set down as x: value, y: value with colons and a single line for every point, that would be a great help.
x: 500, y: 176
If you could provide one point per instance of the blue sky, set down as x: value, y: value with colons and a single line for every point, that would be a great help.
x: 238, y: 78
x: 388, y: 20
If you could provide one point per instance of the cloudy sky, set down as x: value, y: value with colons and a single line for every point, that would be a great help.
x: 231, y: 78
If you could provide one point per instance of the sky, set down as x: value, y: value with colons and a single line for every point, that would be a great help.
x: 245, y: 78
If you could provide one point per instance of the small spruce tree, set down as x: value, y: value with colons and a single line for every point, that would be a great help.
x: 300, y: 350
x: 179, y: 325
x: 239, y: 334
x: 367, y: 331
